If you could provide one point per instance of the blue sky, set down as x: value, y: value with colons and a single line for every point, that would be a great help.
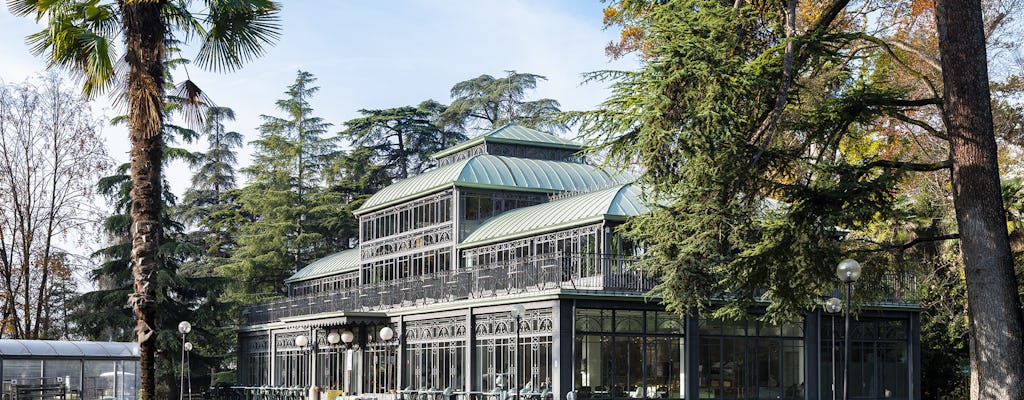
x: 382, y: 54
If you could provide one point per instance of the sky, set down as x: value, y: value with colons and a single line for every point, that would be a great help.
x: 379, y: 54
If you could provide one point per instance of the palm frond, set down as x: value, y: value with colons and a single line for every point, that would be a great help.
x: 239, y: 29
x: 193, y: 101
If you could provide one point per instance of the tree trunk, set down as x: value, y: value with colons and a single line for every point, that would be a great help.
x: 993, y: 306
x: 144, y: 52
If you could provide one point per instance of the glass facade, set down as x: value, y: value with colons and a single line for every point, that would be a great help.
x: 514, y: 357
x: 89, y: 379
x: 751, y: 359
x: 435, y: 352
x: 628, y: 353
x: 879, y: 354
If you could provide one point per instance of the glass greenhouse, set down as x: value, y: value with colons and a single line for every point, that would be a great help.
x: 86, y: 370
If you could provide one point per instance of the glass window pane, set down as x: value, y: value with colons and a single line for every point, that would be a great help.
x: 629, y: 321
x: 22, y: 370
x: 70, y: 372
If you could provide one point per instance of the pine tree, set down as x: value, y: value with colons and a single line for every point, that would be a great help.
x: 403, y: 138
x: 486, y: 103
x: 285, y: 184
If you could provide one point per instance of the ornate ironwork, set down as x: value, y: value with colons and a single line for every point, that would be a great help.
x: 416, y: 240
x: 285, y: 341
x: 255, y: 343
x: 462, y: 155
x: 436, y: 330
x: 502, y: 325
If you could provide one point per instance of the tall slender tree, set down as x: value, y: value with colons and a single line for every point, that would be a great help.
x: 80, y: 36
x: 996, y: 323
x: 285, y: 180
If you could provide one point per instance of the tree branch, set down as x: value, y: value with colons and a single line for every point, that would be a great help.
x: 911, y: 166
x: 932, y: 61
x: 919, y: 240
x: 921, y: 124
x: 888, y: 50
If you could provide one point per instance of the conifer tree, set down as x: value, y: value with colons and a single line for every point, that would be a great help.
x: 485, y: 103
x: 285, y: 184
x: 403, y: 138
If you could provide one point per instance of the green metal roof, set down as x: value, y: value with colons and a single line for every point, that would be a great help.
x: 512, y: 133
x: 500, y: 172
x: 342, y: 261
x: 616, y: 202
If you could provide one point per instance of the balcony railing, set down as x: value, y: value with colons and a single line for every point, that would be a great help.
x: 524, y: 275
x: 533, y: 274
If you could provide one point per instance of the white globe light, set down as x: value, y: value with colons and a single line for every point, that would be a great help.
x: 184, y: 327
x: 333, y: 338
x: 347, y: 336
x: 188, y: 346
x: 833, y: 305
x: 848, y: 270
x: 518, y: 311
x: 301, y: 341
x: 386, y: 333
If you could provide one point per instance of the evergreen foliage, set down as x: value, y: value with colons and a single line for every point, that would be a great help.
x: 284, y: 202
x: 753, y: 205
x: 486, y: 103
x: 402, y: 139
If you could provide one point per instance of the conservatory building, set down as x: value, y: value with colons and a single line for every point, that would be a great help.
x: 499, y: 275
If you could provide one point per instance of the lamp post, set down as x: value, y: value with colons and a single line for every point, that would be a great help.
x: 848, y: 272
x: 301, y: 342
x: 188, y: 361
x: 833, y: 306
x: 386, y: 334
x: 184, y: 327
x: 517, y: 313
x: 347, y: 337
x: 333, y: 338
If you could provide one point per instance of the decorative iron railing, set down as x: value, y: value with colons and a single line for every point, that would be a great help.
x: 598, y: 272
x: 532, y: 274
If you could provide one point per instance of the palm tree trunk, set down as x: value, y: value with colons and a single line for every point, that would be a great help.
x: 144, y: 52
x: 996, y: 326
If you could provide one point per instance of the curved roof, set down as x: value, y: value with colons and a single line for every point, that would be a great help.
x: 489, y: 171
x: 512, y: 133
x: 17, y: 348
x: 342, y: 261
x: 616, y: 202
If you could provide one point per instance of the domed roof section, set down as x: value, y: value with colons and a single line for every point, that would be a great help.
x: 496, y: 172
x: 513, y: 134
x: 20, y: 348
x: 615, y: 203
x: 342, y: 261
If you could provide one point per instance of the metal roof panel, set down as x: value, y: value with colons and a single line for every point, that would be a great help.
x: 617, y: 201
x: 342, y: 261
x: 510, y: 173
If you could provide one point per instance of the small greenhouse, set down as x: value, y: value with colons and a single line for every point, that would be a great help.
x: 85, y: 370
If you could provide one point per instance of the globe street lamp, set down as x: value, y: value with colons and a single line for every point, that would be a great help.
x: 184, y: 327
x: 848, y: 272
x: 517, y: 313
x: 833, y: 306
x: 188, y: 361
x: 386, y: 334
x: 348, y: 337
x: 333, y: 338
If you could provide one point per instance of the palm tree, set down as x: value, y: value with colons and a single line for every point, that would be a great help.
x: 80, y: 36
